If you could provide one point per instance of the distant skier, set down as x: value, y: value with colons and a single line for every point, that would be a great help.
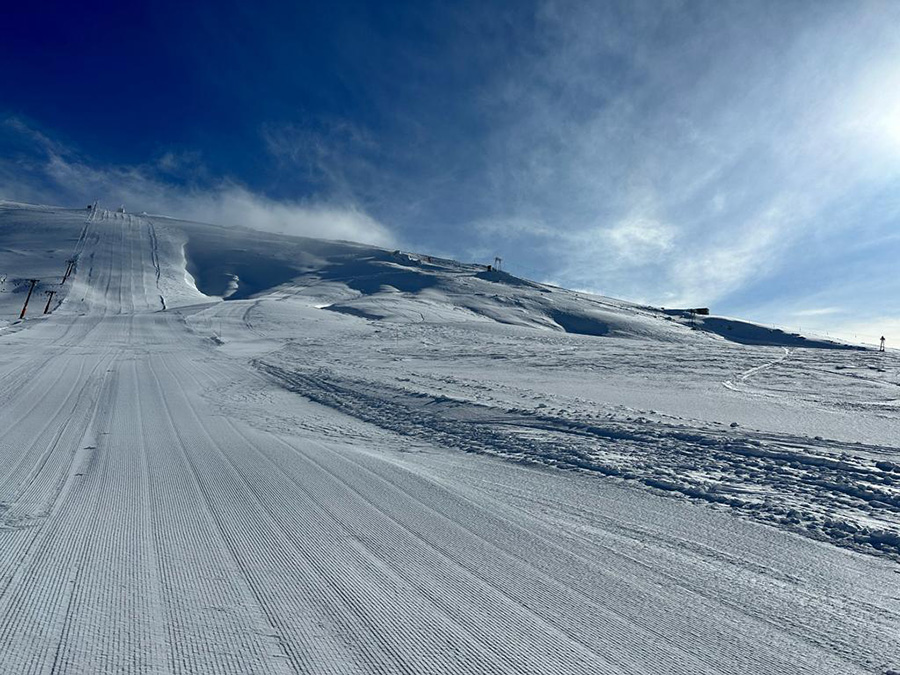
x: 881, y: 348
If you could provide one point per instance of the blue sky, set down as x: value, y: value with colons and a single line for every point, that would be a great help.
x: 742, y: 155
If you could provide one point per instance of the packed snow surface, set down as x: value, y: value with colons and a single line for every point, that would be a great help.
x: 228, y: 451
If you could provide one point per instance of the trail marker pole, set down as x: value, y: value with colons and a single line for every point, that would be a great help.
x: 49, y: 300
x: 28, y: 297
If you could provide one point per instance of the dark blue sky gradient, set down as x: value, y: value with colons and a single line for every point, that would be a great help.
x: 129, y: 80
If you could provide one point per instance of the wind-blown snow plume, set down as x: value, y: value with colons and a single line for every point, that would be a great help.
x: 55, y: 174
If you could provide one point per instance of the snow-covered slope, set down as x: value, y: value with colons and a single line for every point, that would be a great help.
x: 407, y: 287
x: 235, y: 263
x: 372, y: 461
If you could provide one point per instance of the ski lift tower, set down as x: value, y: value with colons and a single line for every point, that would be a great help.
x: 33, y: 283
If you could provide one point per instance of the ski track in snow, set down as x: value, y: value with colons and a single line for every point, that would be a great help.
x: 169, y: 504
x: 773, y: 478
x: 735, y: 385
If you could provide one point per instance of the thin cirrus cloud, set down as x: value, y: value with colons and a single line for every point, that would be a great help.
x: 676, y: 153
x: 689, y: 153
x: 742, y: 151
x: 819, y: 311
x: 51, y: 173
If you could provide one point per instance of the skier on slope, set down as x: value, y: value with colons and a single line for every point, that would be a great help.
x: 881, y: 348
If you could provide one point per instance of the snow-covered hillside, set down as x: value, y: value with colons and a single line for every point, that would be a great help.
x: 228, y: 451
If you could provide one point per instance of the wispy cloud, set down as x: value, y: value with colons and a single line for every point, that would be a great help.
x: 51, y: 173
x: 819, y: 311
x: 746, y: 128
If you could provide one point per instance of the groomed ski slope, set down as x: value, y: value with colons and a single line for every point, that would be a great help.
x: 318, y: 479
